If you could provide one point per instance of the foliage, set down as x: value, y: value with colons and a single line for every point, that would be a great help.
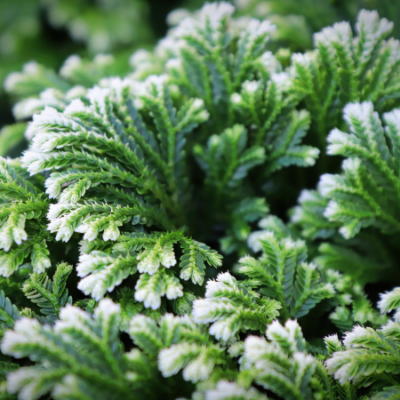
x: 103, y: 369
x: 348, y: 69
x: 280, y: 274
x: 27, y: 29
x: 136, y: 182
x: 23, y: 209
x: 365, y: 194
x: 360, y: 361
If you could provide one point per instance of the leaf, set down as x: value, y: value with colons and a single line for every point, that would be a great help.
x: 49, y: 295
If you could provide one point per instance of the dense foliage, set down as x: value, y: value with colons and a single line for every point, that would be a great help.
x: 131, y: 264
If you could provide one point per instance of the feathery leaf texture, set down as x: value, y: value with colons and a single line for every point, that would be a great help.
x: 232, y: 306
x: 49, y: 295
x: 282, y: 364
x: 102, y: 370
x: 9, y: 312
x: 22, y: 214
x: 391, y: 301
x: 152, y: 255
x: 154, y: 170
x: 283, y: 274
x: 369, y: 356
x: 37, y: 86
x: 344, y: 68
x: 367, y: 192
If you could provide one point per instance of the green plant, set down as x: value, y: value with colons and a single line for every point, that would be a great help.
x: 147, y: 183
x: 101, y: 26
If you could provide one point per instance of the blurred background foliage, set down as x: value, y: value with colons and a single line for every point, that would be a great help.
x: 48, y: 31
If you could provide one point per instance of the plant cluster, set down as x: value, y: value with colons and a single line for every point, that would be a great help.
x: 130, y: 261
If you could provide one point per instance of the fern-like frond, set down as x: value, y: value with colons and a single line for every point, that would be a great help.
x: 283, y: 274
x: 37, y: 87
x: 282, y: 364
x: 391, y: 301
x: 189, y: 348
x: 225, y: 390
x: 23, y: 209
x: 369, y: 356
x: 152, y: 256
x: 112, y: 139
x: 388, y: 393
x: 348, y: 68
x: 366, y: 193
x: 49, y: 295
x: 231, y: 307
x: 80, y: 356
x: 9, y: 313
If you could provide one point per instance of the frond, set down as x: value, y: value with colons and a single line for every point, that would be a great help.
x: 232, y: 307
x: 369, y: 355
x: 49, y: 295
x: 23, y: 210
x: 388, y: 393
x: 283, y: 274
x: 390, y: 301
x: 367, y: 191
x: 348, y: 68
x: 281, y: 365
x: 150, y: 255
x: 9, y: 312
x: 102, y: 370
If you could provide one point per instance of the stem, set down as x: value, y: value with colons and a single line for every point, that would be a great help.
x: 321, y: 135
x: 284, y: 313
